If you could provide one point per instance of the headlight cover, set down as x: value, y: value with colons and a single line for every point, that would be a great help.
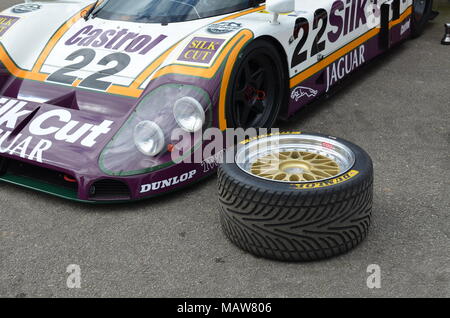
x: 132, y: 150
x: 189, y: 114
x: 148, y: 138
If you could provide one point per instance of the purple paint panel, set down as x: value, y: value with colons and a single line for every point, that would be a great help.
x: 6, y: 22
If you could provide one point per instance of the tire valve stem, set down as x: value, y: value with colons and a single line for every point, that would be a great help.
x: 446, y: 39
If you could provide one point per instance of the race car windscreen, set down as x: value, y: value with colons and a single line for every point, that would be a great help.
x: 168, y: 11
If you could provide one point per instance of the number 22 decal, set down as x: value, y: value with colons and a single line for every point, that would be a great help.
x: 93, y: 81
x: 318, y: 46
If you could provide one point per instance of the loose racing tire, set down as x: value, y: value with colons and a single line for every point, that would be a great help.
x: 297, y: 221
x: 258, y: 87
x: 422, y: 13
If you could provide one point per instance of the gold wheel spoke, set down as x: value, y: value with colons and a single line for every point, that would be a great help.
x: 322, y: 167
x: 295, y: 166
x: 269, y: 172
x: 309, y: 156
x: 309, y: 177
x: 280, y: 176
x: 296, y: 155
x: 321, y: 173
x: 323, y: 162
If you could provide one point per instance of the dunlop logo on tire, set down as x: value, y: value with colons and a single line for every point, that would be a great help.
x: 327, y: 183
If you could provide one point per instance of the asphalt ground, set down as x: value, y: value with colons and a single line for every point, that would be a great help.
x: 397, y: 108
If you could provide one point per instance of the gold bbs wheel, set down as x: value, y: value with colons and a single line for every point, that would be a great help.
x: 295, y: 158
x: 295, y: 166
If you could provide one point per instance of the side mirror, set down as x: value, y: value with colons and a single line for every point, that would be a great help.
x: 279, y: 6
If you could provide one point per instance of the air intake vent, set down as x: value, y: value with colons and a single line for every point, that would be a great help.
x: 109, y: 190
x: 68, y: 101
x: 39, y: 177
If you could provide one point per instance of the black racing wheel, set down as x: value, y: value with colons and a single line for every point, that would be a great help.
x: 422, y: 13
x: 258, y: 87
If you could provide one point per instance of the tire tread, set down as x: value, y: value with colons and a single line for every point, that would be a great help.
x: 302, y: 226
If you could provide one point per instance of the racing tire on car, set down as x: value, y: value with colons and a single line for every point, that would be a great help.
x: 305, y: 199
x: 422, y: 13
x: 258, y: 87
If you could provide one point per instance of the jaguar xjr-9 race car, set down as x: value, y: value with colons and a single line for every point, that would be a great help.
x: 90, y: 92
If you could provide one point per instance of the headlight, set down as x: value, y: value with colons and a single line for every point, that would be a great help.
x: 139, y: 147
x: 189, y: 114
x: 148, y: 138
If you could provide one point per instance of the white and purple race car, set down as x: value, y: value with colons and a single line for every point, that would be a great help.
x: 90, y: 92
